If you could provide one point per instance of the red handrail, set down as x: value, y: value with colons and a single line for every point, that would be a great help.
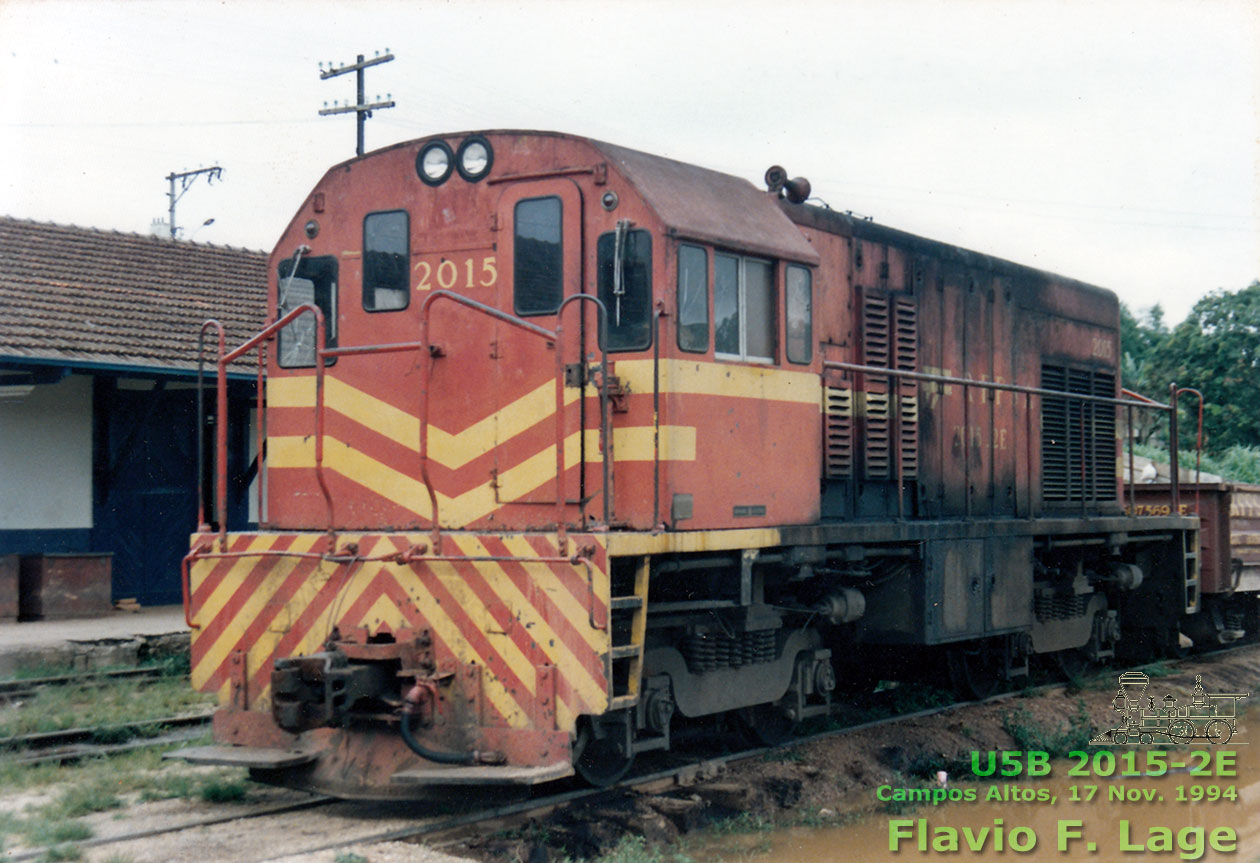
x: 221, y: 426
x: 426, y: 347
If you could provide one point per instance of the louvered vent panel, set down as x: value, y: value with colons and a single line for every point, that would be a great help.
x: 876, y: 350
x: 839, y: 432
x: 1077, y: 438
x: 1104, y: 443
x: 907, y: 353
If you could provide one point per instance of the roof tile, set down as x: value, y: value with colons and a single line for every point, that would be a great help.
x: 84, y: 295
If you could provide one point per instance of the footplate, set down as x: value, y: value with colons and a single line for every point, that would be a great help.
x: 243, y: 756
x: 483, y: 775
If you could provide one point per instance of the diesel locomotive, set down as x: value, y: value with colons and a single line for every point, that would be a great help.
x: 562, y: 445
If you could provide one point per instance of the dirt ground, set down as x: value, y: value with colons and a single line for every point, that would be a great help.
x: 829, y: 779
x: 817, y: 782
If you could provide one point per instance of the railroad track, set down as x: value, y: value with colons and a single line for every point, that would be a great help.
x: 13, y: 690
x: 73, y: 744
x: 360, y: 818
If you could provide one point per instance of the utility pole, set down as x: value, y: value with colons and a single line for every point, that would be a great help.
x: 363, y: 109
x: 186, y: 179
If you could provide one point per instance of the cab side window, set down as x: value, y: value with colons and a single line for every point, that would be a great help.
x: 744, y: 320
x: 386, y: 256
x: 313, y: 280
x: 800, y: 313
x: 693, y: 299
x: 628, y: 299
x: 537, y: 265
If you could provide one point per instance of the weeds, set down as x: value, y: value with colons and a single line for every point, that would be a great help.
x: 790, y: 755
x: 634, y: 849
x: 223, y: 792
x: 349, y: 857
x: 56, y: 708
x: 1058, y: 741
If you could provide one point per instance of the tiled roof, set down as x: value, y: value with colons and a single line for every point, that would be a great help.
x: 82, y: 295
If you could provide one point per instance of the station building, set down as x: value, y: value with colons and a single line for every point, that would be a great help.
x: 98, y: 411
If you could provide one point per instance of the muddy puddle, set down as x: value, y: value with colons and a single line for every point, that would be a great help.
x: 1114, y: 809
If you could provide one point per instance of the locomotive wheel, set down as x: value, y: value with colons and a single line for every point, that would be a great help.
x: 1180, y: 731
x: 765, y: 725
x: 1218, y: 731
x: 600, y: 760
x: 1074, y: 664
x: 975, y: 670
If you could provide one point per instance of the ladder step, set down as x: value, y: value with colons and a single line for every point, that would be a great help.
x: 629, y: 651
x: 622, y: 603
x: 621, y: 702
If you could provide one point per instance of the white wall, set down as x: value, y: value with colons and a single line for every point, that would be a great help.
x: 46, y: 457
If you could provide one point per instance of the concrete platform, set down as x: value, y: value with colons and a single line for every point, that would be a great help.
x: 118, y: 639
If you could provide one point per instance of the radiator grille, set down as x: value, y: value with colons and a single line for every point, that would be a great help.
x: 907, y: 359
x: 1078, y: 439
x: 839, y: 432
x: 876, y: 348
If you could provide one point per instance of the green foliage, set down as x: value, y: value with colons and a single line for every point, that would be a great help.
x: 349, y: 857
x: 1058, y: 740
x: 84, y: 799
x: 223, y: 792
x: 80, y: 705
x: 634, y: 849
x: 1236, y: 464
x: 1216, y: 350
x: 58, y: 853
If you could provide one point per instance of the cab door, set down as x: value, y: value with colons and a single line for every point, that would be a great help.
x: 540, y: 229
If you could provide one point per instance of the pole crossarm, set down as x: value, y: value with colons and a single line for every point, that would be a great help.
x: 361, y: 107
x: 186, y: 179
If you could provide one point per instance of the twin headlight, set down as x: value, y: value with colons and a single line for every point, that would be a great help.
x: 435, y: 162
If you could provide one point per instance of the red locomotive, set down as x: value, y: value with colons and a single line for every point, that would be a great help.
x: 567, y: 443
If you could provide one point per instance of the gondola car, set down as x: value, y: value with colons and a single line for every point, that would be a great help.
x: 565, y: 444
x: 1229, y: 547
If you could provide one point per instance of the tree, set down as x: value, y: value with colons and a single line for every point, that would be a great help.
x: 1141, y: 341
x: 1216, y: 350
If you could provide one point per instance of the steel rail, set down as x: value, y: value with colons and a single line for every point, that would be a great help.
x: 45, y: 739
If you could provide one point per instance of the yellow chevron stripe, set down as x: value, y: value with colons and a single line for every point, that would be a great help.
x: 410, y: 493
x: 723, y: 379
x: 215, y: 655
x: 678, y: 443
x: 587, y: 688
x: 449, y: 450
x: 547, y: 581
x: 446, y: 630
x: 483, y: 621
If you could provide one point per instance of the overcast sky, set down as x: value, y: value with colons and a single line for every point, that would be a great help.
x: 1115, y: 142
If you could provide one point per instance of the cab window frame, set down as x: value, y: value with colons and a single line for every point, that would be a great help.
x: 686, y: 303
x: 321, y: 273
x: 406, y: 258
x: 639, y: 240
x: 767, y: 290
x: 791, y: 302
x: 555, y: 274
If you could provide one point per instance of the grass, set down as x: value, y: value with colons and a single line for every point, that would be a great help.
x: 103, y: 785
x: 635, y: 849
x: 56, y: 708
x: 1058, y: 740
